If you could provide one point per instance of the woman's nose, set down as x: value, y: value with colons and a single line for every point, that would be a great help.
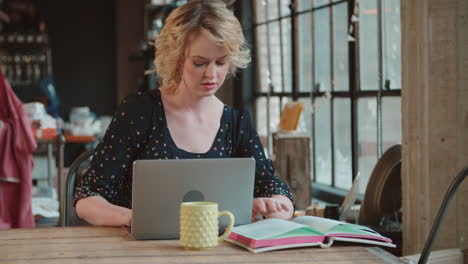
x: 210, y: 70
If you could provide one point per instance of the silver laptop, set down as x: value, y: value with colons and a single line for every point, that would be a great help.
x: 160, y: 186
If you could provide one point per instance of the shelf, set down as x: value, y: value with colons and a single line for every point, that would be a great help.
x: 142, y: 54
x: 153, y: 8
x: 157, y: 8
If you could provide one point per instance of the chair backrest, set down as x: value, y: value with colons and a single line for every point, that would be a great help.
x: 383, y: 191
x: 77, y: 168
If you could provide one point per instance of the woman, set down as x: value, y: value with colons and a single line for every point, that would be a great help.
x: 200, y: 44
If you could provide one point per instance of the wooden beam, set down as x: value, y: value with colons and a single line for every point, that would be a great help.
x: 435, y: 119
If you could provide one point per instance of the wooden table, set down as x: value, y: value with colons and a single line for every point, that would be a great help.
x: 71, y: 245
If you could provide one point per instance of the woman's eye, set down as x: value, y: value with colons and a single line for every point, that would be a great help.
x: 199, y: 64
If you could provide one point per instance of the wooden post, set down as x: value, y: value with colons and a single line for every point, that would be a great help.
x: 292, y: 164
x: 435, y: 119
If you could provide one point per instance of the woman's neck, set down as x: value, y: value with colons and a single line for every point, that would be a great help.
x: 184, y: 101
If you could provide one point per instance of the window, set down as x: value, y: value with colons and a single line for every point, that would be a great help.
x: 348, y: 72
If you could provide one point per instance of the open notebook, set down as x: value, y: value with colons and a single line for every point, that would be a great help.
x: 303, y: 231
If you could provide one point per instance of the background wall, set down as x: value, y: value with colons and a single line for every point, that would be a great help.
x: 82, y: 39
x: 96, y: 52
x: 129, y: 37
x: 435, y: 119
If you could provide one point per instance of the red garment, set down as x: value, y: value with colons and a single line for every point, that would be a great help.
x: 16, y: 146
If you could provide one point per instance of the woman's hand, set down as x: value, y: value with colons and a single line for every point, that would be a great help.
x: 127, y: 218
x: 278, y: 206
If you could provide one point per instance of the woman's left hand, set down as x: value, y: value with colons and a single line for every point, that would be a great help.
x: 278, y: 206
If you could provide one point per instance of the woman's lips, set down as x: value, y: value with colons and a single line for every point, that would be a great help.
x: 209, y: 85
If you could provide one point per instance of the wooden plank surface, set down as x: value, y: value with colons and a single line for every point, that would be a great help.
x: 462, y: 120
x: 114, y: 245
x: 435, y: 119
x: 60, y: 232
x: 443, y: 110
x: 414, y: 50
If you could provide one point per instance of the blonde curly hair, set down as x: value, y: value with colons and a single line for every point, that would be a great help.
x: 209, y: 17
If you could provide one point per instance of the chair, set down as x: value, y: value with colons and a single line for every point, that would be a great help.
x: 77, y: 168
x: 442, y: 212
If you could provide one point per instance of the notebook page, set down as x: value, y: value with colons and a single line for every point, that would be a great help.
x: 266, y: 228
x: 332, y: 227
x: 353, y: 229
x: 319, y: 223
x: 366, y: 241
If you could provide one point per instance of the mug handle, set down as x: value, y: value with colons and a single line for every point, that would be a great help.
x: 231, y: 224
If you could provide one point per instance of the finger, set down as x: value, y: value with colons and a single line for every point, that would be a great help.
x: 279, y: 207
x: 254, y: 216
x: 254, y: 206
x: 254, y: 210
x: 259, y: 206
x: 285, y: 207
x: 271, y: 206
x: 262, y: 207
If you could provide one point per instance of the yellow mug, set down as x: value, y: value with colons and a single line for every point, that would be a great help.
x: 199, y: 225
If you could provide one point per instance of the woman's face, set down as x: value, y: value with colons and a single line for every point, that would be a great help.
x: 205, y: 66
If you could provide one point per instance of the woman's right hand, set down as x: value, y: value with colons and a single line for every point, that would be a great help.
x: 277, y: 206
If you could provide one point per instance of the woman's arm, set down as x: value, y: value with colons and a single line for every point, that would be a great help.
x: 99, y: 197
x: 273, y: 198
x: 98, y: 211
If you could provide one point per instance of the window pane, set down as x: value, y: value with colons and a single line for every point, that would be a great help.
x: 305, y: 53
x: 285, y: 100
x: 261, y: 116
x: 304, y: 5
x: 284, y: 6
x: 367, y: 136
x: 272, y: 9
x: 391, y: 43
x: 342, y: 142
x: 305, y: 125
x: 274, y: 113
x: 287, y: 54
x: 262, y: 59
x: 391, y: 121
x: 368, y: 49
x: 260, y: 7
x: 322, y: 141
x: 275, y: 55
x: 340, y: 47
x: 261, y: 107
x: 322, y: 49
x: 318, y: 3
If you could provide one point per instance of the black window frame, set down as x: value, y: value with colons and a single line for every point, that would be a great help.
x: 329, y: 193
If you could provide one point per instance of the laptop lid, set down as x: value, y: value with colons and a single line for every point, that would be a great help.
x: 160, y: 186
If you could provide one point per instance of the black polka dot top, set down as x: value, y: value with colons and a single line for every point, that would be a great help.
x: 139, y: 131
